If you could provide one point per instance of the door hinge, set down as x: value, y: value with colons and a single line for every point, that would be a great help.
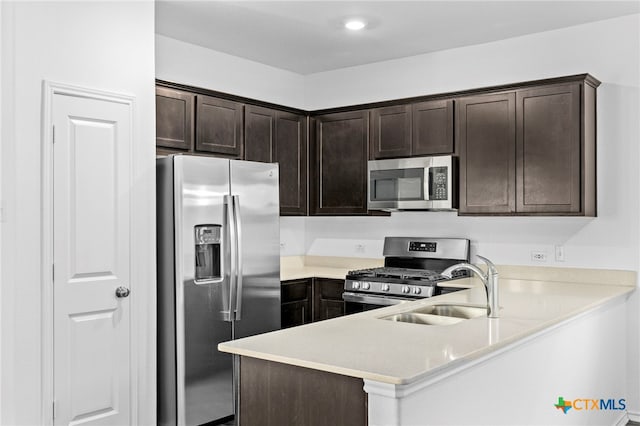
x: 53, y: 272
x: 53, y: 407
x: 53, y: 134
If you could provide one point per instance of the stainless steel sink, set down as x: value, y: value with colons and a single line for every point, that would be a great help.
x: 444, y: 314
x: 425, y: 319
x: 457, y: 311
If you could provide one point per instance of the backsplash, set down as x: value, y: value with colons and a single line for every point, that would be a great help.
x: 505, y: 240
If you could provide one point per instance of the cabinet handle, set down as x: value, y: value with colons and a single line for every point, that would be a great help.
x: 303, y: 321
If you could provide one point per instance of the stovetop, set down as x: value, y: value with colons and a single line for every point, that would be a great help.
x: 397, y: 273
x: 412, y: 267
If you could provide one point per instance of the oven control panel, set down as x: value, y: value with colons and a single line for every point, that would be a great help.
x: 397, y: 289
x: 422, y: 246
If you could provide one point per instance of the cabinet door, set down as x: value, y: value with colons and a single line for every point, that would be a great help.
x: 548, y: 149
x: 486, y: 132
x: 174, y: 118
x: 327, y: 298
x: 339, y: 162
x: 391, y: 132
x: 219, y: 126
x: 291, y: 155
x: 433, y: 128
x: 296, y: 296
x: 259, y: 134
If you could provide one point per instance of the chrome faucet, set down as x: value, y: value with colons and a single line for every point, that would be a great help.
x: 490, y: 281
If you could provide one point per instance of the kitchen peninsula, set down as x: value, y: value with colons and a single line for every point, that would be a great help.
x: 558, y: 335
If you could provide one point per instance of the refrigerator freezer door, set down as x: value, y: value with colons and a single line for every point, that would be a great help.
x: 205, y: 375
x: 256, y: 196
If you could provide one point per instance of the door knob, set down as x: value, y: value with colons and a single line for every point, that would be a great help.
x: 122, y: 292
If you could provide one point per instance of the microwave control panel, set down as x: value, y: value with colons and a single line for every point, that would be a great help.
x: 438, y: 183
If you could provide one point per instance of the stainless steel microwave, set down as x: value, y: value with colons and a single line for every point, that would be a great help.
x: 418, y: 183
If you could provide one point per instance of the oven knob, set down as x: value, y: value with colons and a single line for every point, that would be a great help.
x: 356, y: 285
x: 406, y: 289
x: 385, y: 287
x: 417, y: 290
x: 366, y: 286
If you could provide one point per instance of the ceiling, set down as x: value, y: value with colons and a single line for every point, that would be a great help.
x: 307, y: 37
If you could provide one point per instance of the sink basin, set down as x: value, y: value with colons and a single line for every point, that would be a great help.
x: 457, y: 311
x: 425, y: 319
x: 444, y: 314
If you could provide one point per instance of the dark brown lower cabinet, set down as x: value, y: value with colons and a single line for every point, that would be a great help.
x: 275, y: 394
x: 310, y: 299
x: 296, y: 302
x: 327, y: 298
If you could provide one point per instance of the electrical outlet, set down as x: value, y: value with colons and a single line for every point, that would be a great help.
x: 559, y: 254
x: 282, y: 246
x: 360, y: 248
x: 539, y: 256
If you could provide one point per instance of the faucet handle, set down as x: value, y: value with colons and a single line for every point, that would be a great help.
x: 492, y: 268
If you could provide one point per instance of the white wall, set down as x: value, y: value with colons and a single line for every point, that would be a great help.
x: 102, y: 45
x: 609, y: 50
x: 580, y: 359
x: 197, y: 66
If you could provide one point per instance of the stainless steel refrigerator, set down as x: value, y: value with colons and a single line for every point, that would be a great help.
x: 218, y: 278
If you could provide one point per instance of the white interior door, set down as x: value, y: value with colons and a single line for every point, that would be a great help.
x: 91, y: 252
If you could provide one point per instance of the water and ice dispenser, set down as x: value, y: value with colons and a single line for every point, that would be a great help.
x: 208, y: 251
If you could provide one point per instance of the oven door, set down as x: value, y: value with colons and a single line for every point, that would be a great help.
x: 358, y: 302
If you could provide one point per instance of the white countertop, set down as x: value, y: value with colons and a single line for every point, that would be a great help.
x: 299, y: 267
x: 364, y: 346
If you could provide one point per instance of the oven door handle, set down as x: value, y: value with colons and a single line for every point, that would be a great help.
x: 373, y: 300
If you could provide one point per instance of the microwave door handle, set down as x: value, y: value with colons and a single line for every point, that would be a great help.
x: 427, y: 183
x: 238, y: 272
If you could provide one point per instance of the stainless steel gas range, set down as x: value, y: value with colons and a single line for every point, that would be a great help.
x: 411, y: 271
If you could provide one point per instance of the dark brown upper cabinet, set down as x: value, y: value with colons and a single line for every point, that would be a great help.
x: 391, y: 132
x: 486, y: 136
x: 276, y: 136
x: 259, y: 134
x: 548, y: 150
x: 219, y: 126
x: 531, y: 151
x: 291, y: 155
x: 424, y: 128
x: 432, y: 128
x: 174, y: 118
x: 338, y: 164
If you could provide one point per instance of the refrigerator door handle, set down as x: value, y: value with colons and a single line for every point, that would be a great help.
x: 238, y: 271
x: 230, y: 225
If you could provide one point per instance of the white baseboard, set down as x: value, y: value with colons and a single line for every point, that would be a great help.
x: 634, y: 416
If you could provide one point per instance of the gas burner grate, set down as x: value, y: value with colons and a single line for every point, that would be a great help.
x: 399, y: 273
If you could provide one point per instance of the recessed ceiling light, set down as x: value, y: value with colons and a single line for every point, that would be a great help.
x: 355, y: 24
